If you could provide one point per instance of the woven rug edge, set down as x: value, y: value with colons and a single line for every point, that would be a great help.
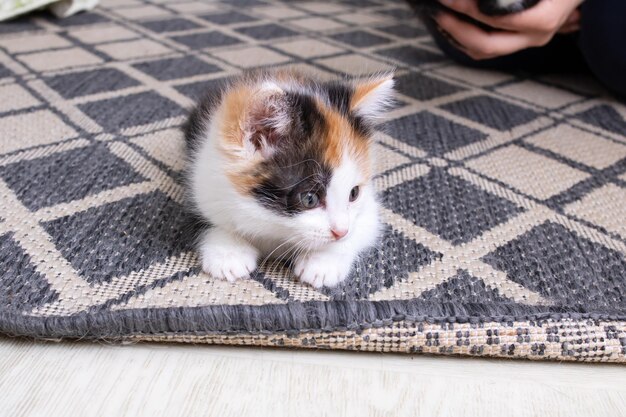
x: 543, y: 335
x: 556, y: 340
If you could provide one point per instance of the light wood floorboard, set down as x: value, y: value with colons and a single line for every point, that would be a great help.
x: 171, y: 380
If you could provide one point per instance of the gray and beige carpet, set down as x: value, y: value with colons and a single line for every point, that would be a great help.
x: 505, y: 195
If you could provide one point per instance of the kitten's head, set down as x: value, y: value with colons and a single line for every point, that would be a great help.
x: 302, y: 150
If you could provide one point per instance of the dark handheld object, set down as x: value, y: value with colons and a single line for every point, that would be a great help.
x: 502, y: 7
x: 488, y: 7
x: 426, y: 9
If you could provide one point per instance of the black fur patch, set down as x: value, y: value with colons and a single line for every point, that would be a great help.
x: 298, y: 165
x: 340, y: 96
x: 195, y: 125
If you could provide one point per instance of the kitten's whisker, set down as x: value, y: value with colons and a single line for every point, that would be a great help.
x: 294, y: 255
x: 277, y: 262
x: 273, y: 251
x: 288, y: 241
x: 302, y: 162
x: 290, y: 186
x: 290, y: 254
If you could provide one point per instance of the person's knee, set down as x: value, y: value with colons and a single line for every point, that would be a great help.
x: 602, y: 42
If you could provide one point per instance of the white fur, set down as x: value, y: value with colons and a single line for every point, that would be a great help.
x: 245, y: 232
x: 226, y: 255
x: 332, y: 261
x: 379, y: 100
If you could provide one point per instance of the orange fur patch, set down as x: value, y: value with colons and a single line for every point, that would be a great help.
x: 365, y: 88
x: 244, y: 181
x: 236, y: 107
x: 340, y: 137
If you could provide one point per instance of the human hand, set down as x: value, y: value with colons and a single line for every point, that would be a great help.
x: 514, y: 32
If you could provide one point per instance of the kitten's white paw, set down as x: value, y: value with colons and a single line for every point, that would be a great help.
x: 322, y: 269
x: 225, y: 257
x: 230, y: 263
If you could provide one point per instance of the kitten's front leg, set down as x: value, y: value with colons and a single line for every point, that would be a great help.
x: 325, y: 268
x: 227, y: 256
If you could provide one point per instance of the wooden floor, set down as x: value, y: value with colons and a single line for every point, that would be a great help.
x: 87, y: 379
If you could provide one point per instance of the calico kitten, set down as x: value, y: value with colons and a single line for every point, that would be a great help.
x: 281, y: 166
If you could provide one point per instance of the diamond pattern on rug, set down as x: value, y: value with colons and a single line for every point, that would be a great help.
x: 227, y: 18
x: 114, y: 114
x: 18, y: 25
x: 173, y: 68
x: 503, y: 193
x: 22, y: 287
x: 21, y: 130
x: 20, y: 98
x: 457, y: 210
x: 4, y: 71
x: 528, y: 171
x: 432, y: 133
x: 67, y: 176
x: 132, y: 49
x: 170, y: 25
x: 580, y: 146
x: 199, y: 89
x: 492, y: 112
x: 421, y: 87
x: 81, y: 19
x: 206, y: 40
x: 265, y: 32
x: 403, y: 31
x: 59, y: 59
x: 411, y: 56
x: 591, y: 208
x: 463, y: 288
x: 360, y: 38
x: 592, y: 275
x: 76, y: 84
x: 606, y: 117
x: 106, y: 241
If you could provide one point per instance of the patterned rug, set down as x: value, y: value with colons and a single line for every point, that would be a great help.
x: 505, y: 195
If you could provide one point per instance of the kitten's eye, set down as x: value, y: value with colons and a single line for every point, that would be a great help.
x: 354, y: 193
x: 309, y: 200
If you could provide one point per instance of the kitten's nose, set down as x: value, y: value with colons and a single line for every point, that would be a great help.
x: 339, y: 233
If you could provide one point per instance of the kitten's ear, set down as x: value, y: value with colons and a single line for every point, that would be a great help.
x: 373, y: 95
x: 268, y: 119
